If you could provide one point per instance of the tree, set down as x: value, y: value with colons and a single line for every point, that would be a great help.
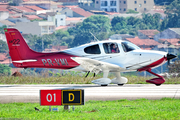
x: 97, y: 25
x: 81, y: 38
x: 133, y: 21
x: 164, y: 24
x: 157, y: 21
x: 2, y: 29
x: 47, y: 40
x: 147, y: 18
x: 173, y: 14
x: 142, y: 26
x: 102, y: 23
x: 117, y: 19
x: 5, y: 70
x: 3, y: 46
x: 163, y: 2
x: 119, y: 26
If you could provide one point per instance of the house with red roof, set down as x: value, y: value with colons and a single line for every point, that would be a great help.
x: 73, y: 20
x: 37, y: 9
x: 32, y: 17
x: 147, y: 34
x: 13, y: 14
x: 174, y: 41
x: 4, y: 59
x: 7, y: 23
x: 75, y: 11
x: 143, y: 43
x: 4, y: 4
x: 34, y: 8
x: 45, y: 4
x: 21, y: 9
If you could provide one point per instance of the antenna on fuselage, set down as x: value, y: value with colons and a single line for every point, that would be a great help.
x: 94, y: 36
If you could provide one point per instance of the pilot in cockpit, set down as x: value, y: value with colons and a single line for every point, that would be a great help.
x: 114, y: 49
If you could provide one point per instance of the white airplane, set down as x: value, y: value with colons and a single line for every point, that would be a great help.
x: 102, y: 56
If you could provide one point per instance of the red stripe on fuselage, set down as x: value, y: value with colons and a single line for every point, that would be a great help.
x: 54, y: 60
x: 154, y: 64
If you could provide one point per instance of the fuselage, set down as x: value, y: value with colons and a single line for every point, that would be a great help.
x: 131, y: 59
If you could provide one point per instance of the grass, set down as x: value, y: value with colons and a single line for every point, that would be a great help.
x: 74, y: 79
x: 141, y: 109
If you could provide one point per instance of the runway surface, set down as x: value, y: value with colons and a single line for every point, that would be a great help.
x: 30, y: 93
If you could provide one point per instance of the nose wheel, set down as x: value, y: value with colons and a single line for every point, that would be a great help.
x: 120, y: 84
x: 157, y: 81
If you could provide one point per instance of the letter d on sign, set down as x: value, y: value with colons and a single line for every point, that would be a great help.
x: 71, y: 99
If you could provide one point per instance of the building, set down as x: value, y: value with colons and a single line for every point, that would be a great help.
x: 147, y: 34
x: 57, y: 19
x: 37, y: 9
x: 74, y: 20
x: 120, y: 36
x: 21, y: 9
x: 143, y: 43
x: 75, y: 11
x: 4, y: 59
x: 122, y: 6
x: 4, y: 13
x: 7, y: 23
x: 32, y: 17
x: 48, y: 5
x: 36, y: 27
x: 168, y: 34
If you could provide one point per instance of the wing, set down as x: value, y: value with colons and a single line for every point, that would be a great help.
x: 96, y: 66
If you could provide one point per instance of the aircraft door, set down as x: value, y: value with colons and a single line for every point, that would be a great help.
x: 112, y: 52
x: 132, y: 58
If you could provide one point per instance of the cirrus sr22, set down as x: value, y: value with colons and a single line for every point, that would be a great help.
x: 103, y: 56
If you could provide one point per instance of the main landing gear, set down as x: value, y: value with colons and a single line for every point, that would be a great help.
x: 105, y: 80
x: 157, y: 81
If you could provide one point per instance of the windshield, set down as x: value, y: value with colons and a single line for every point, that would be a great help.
x: 128, y: 46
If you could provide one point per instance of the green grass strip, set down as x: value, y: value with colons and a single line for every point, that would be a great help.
x: 141, y: 109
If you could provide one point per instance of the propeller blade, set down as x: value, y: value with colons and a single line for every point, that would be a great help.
x: 168, y: 62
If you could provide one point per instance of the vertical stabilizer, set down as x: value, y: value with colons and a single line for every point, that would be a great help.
x: 18, y: 48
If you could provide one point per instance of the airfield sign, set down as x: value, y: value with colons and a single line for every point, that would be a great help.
x: 61, y: 97
x: 50, y: 97
x: 73, y: 97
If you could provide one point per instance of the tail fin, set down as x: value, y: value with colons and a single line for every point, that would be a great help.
x: 18, y: 48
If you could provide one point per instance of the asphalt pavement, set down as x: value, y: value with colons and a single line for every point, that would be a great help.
x: 31, y: 93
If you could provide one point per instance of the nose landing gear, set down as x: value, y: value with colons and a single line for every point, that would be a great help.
x: 157, y: 81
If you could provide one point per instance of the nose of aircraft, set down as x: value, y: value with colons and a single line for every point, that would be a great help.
x: 170, y: 56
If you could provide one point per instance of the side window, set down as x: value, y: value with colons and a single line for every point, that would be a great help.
x: 127, y: 46
x: 110, y: 48
x: 92, y: 49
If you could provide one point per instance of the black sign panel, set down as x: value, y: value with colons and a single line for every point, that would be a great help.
x: 73, y: 97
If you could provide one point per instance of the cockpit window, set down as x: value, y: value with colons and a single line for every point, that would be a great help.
x: 127, y: 46
x: 94, y: 49
x: 111, y: 48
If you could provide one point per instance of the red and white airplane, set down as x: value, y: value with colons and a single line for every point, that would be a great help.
x: 102, y: 56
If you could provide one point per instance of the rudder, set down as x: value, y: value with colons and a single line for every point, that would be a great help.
x: 18, y: 48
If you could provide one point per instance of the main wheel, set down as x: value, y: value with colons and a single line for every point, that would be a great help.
x: 120, y: 84
x: 158, y: 84
x: 104, y: 84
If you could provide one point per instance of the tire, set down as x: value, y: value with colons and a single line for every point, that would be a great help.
x: 120, y: 84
